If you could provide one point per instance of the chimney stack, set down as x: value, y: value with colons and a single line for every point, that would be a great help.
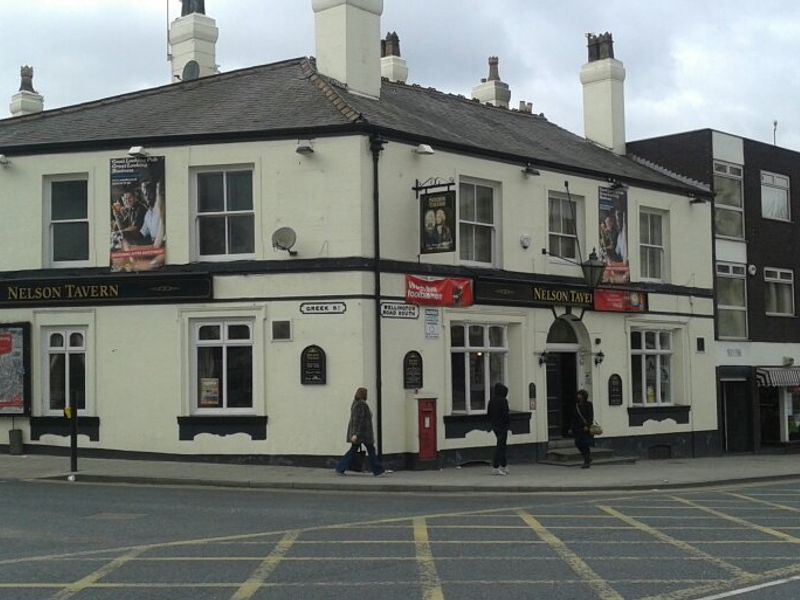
x: 493, y: 90
x: 348, y: 36
x: 393, y: 67
x: 27, y: 101
x: 193, y: 43
x: 603, y: 79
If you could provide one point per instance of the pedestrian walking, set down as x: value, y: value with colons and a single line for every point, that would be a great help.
x: 582, y: 420
x: 359, y: 431
x: 499, y: 418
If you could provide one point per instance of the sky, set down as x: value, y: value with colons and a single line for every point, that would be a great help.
x: 731, y: 65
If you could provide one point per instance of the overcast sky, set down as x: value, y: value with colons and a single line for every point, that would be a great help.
x: 732, y: 65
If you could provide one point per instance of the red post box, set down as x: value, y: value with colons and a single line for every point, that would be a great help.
x: 427, y: 429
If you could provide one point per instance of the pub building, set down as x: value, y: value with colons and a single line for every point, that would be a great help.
x: 204, y: 285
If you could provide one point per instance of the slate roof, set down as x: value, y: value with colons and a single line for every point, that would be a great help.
x: 290, y: 96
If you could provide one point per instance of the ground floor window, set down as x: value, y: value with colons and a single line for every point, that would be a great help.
x: 793, y: 424
x: 223, y: 366
x: 65, y: 370
x: 651, y: 366
x: 478, y: 360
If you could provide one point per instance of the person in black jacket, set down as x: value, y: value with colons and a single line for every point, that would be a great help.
x: 582, y: 419
x: 359, y: 431
x: 499, y: 419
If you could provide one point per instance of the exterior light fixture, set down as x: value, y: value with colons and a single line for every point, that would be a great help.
x: 423, y: 149
x: 138, y: 152
x: 593, y: 269
x: 598, y: 358
x: 529, y: 171
x: 4, y: 160
x: 543, y: 357
x: 304, y: 147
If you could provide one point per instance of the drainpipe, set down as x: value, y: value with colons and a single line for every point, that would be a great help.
x: 376, y: 145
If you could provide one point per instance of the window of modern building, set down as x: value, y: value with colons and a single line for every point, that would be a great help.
x: 222, y: 366
x: 476, y: 222
x: 779, y: 289
x: 563, y: 226
x: 731, y: 301
x: 225, y: 213
x: 67, y: 213
x: 478, y: 360
x: 652, y: 245
x: 64, y: 370
x: 729, y: 205
x: 775, y: 196
x: 651, y: 366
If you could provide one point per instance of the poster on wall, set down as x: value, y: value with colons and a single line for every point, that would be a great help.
x: 614, y: 234
x: 138, y: 214
x: 14, y: 372
x: 437, y: 219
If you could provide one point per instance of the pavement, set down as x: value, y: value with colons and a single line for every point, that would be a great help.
x: 523, y: 478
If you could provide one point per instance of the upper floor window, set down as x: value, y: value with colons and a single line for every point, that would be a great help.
x: 731, y: 301
x: 476, y: 222
x: 775, y: 196
x: 478, y: 355
x: 67, y: 213
x: 651, y: 366
x: 779, y: 288
x: 225, y: 213
x: 729, y: 211
x: 651, y: 245
x: 65, y: 370
x: 223, y: 366
x: 563, y: 226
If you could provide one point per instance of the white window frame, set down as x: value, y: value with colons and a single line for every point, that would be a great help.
x: 576, y: 203
x: 736, y: 173
x: 197, y: 215
x: 658, y: 352
x: 485, y: 350
x: 195, y: 343
x: 68, y: 351
x: 493, y: 226
x: 778, y: 182
x: 49, y: 224
x: 734, y: 271
x: 651, y: 247
x: 775, y: 276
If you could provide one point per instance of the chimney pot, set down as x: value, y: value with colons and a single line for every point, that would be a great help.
x: 492, y: 90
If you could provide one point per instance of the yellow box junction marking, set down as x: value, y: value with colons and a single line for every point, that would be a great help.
x: 765, y: 502
x: 92, y: 578
x: 429, y: 578
x: 253, y: 584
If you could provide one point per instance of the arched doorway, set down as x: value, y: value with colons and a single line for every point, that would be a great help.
x: 562, y: 351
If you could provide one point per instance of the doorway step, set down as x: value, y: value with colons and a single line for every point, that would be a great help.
x: 563, y: 453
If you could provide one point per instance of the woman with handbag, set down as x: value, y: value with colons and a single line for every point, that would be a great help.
x: 583, y: 427
x: 359, y: 431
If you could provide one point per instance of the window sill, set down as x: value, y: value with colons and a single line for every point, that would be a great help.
x: 637, y: 415
x: 88, y: 426
x: 780, y: 315
x: 459, y: 425
x: 222, y: 425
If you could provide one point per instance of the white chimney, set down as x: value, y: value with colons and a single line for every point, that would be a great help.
x: 603, y: 79
x: 348, y: 36
x: 492, y: 90
x: 393, y: 67
x: 193, y: 43
x: 27, y: 101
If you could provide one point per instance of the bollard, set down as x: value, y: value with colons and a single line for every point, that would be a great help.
x: 15, y: 441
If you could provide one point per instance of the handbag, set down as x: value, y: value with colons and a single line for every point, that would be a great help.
x: 359, y: 458
x: 594, y: 428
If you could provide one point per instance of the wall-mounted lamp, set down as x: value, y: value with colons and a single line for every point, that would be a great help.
x: 138, y: 152
x: 529, y: 171
x: 305, y: 147
x: 525, y: 241
x: 4, y: 160
x: 543, y: 357
x: 616, y: 185
x: 423, y: 149
x: 599, y: 358
x: 695, y: 199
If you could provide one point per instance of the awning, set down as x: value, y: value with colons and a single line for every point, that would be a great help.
x: 777, y: 377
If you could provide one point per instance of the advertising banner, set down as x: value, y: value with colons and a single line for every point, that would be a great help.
x: 437, y: 218
x: 14, y: 383
x: 438, y: 292
x: 614, y: 235
x: 620, y: 301
x: 138, y: 213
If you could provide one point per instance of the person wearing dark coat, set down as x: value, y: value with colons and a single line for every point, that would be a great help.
x: 582, y: 419
x: 497, y: 412
x: 359, y: 431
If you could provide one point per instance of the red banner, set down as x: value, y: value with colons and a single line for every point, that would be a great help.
x: 6, y: 344
x: 620, y: 301
x: 439, y: 292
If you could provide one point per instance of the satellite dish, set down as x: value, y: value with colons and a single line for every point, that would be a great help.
x: 284, y: 239
x: 191, y: 71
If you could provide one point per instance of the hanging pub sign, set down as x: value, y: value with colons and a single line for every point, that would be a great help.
x: 437, y: 216
x: 613, y: 249
x: 439, y: 292
x: 15, y: 386
x: 615, y: 390
x: 138, y: 213
x: 313, y: 370
x: 620, y: 301
x: 412, y: 370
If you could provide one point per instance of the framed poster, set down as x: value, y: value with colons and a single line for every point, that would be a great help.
x: 15, y: 373
x: 615, y: 390
x: 437, y: 214
x: 412, y: 370
x: 313, y: 369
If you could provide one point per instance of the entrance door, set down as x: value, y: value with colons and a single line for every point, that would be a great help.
x: 562, y: 377
x: 769, y: 399
x: 737, y: 416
